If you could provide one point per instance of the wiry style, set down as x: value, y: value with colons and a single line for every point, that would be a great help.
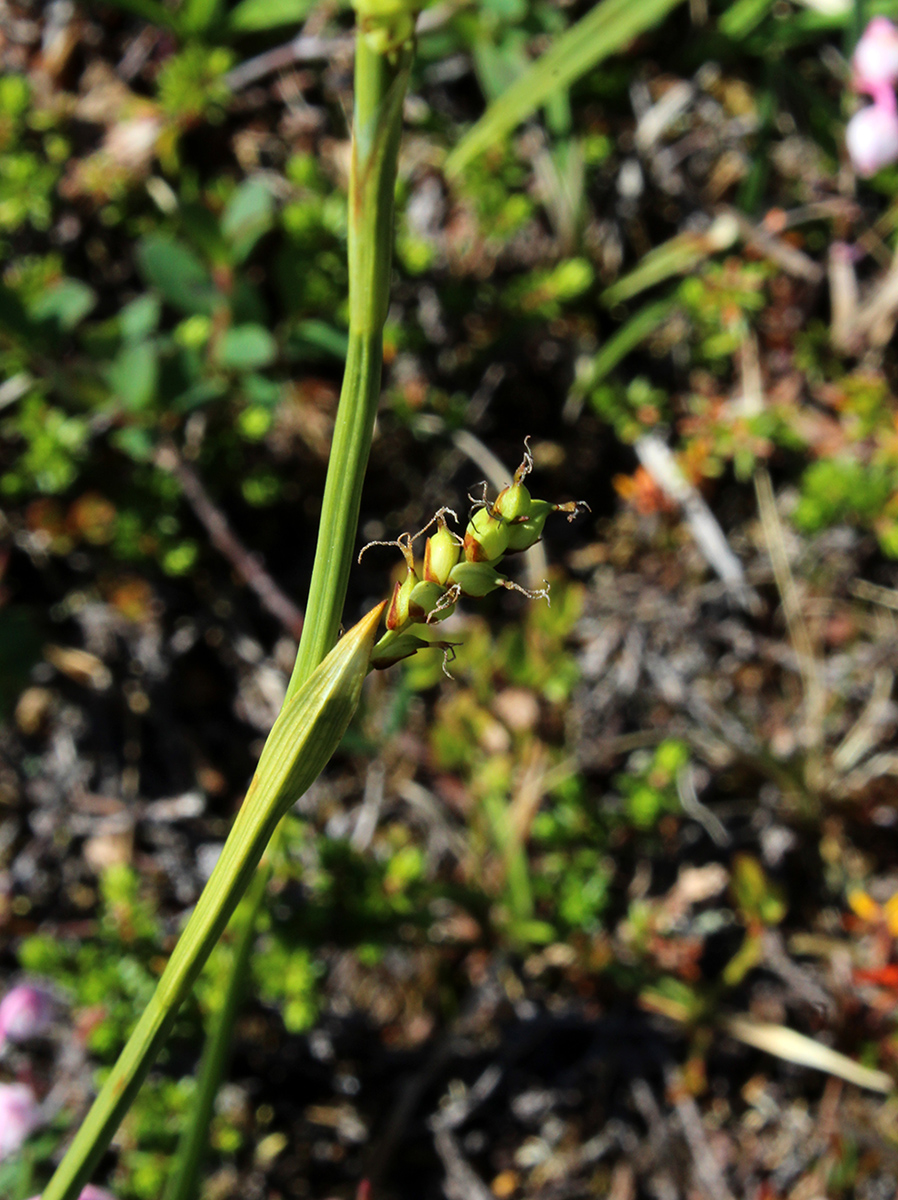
x: 455, y: 567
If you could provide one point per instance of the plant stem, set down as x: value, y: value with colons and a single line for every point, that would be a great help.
x: 377, y: 123
x: 193, y: 1144
x: 381, y: 81
x: 379, y: 91
x: 301, y: 741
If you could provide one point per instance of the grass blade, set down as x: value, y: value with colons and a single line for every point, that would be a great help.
x: 606, y: 28
x: 630, y: 335
x: 678, y: 256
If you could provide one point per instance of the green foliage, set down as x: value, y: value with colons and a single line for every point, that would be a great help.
x: 649, y: 788
x: 605, y: 29
x: 545, y: 292
x: 287, y: 975
x: 843, y: 490
x: 107, y: 979
x: 495, y: 191
x: 759, y: 901
x: 54, y: 446
x: 578, y: 882
x: 630, y: 409
x: 253, y: 15
x: 721, y: 302
x: 178, y: 274
x: 31, y: 158
x: 113, y: 976
x: 199, y: 296
x: 191, y: 84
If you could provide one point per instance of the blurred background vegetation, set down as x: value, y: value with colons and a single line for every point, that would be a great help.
x: 542, y: 928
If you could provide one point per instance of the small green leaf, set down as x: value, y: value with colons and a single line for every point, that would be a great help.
x: 198, y: 16
x: 246, y: 348
x: 267, y: 14
x: 134, y: 375
x: 178, y: 274
x: 248, y: 215
x: 134, y: 442
x: 140, y: 318
x: 757, y: 898
x: 67, y: 303
x: 260, y: 390
x: 324, y: 337
x: 198, y: 394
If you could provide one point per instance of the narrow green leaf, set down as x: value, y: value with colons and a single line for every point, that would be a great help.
x: 621, y: 342
x: 199, y: 16
x: 677, y: 256
x: 323, y: 337
x: 252, y: 15
x: 608, y: 27
x: 743, y: 16
x: 303, y: 738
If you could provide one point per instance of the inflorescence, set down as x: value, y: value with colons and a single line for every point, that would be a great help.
x: 454, y: 567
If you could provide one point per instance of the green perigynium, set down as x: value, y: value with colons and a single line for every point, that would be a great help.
x: 441, y: 553
x: 455, y: 567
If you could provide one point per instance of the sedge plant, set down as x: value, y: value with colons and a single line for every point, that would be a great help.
x: 327, y: 678
x: 326, y: 682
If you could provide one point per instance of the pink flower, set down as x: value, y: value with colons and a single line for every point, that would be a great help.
x: 25, y: 1012
x: 20, y: 1115
x: 875, y: 60
x: 872, y: 138
x: 90, y: 1193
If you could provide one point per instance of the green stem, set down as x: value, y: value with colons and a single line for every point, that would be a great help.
x: 193, y: 1144
x: 302, y: 739
x: 381, y: 81
x: 379, y: 90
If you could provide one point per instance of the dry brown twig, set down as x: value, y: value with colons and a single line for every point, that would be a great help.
x: 246, y: 564
x: 808, y: 666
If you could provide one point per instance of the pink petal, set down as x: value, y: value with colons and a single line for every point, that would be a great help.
x: 25, y: 1012
x: 20, y: 1115
x: 875, y: 59
x: 871, y: 137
